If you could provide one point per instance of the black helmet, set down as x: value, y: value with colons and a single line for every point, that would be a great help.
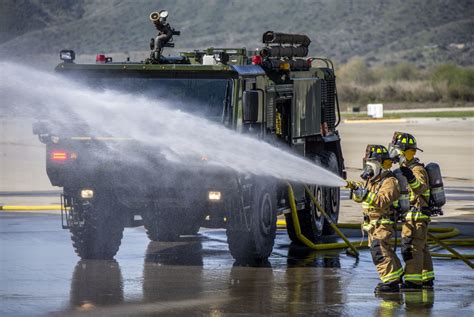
x: 376, y: 152
x: 404, y: 141
x: 373, y: 161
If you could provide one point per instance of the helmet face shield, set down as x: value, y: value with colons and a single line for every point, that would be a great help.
x: 371, y: 170
x: 398, y: 155
x: 394, y: 152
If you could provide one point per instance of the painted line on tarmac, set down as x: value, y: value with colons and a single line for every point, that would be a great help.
x: 30, y: 208
x: 375, y: 121
x: 31, y: 193
x: 30, y: 212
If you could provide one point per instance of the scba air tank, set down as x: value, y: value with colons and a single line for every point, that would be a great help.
x: 437, y: 195
x: 404, y: 199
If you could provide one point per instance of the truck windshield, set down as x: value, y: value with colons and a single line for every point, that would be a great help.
x: 202, y: 97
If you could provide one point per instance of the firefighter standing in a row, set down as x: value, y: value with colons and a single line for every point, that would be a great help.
x: 418, y: 263
x: 378, y: 197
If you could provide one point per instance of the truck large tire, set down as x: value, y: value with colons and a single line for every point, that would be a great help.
x: 332, y: 195
x: 170, y: 224
x: 252, y: 240
x: 99, y: 233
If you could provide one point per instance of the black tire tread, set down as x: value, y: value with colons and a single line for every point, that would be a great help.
x: 100, y: 236
x: 327, y: 159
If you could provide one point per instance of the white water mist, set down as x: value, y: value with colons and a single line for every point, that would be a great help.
x: 177, y: 135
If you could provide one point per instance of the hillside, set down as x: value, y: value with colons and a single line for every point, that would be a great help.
x: 421, y: 31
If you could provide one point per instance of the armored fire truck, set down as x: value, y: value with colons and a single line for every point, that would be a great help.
x: 277, y: 94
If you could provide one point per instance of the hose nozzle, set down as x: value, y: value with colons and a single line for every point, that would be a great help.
x: 351, y: 185
x: 158, y: 17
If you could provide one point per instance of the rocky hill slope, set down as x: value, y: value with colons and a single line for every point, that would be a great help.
x: 421, y: 31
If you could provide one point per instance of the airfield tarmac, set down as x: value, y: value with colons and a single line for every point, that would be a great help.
x: 40, y: 274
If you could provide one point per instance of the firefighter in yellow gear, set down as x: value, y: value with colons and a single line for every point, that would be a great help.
x: 378, y: 196
x: 414, y: 248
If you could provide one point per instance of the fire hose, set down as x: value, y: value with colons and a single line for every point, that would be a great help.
x: 443, y: 233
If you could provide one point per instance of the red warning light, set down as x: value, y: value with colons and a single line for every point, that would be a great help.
x: 257, y: 60
x: 59, y: 156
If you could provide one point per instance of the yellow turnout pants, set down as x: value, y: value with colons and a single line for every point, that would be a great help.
x: 415, y: 252
x: 386, y: 261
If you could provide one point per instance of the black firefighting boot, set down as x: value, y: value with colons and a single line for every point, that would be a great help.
x: 387, y: 288
x: 428, y: 284
x: 408, y: 286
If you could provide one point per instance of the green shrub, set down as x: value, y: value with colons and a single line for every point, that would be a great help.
x: 404, y: 82
x: 356, y: 71
x: 402, y: 71
x: 454, y: 82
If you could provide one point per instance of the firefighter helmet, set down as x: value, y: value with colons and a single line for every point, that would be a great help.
x: 377, y: 153
x: 404, y: 141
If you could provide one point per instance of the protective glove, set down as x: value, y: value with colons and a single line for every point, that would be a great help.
x: 352, y: 184
x: 408, y: 174
x: 359, y: 194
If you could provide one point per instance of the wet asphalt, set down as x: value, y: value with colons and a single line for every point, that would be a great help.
x: 41, y: 275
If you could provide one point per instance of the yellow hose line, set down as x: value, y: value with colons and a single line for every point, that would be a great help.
x: 454, y: 252
x: 458, y: 242
x: 306, y: 241
x: 352, y: 250
x: 443, y: 233
x: 451, y: 256
x: 30, y: 208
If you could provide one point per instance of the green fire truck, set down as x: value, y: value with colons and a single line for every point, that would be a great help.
x: 277, y: 94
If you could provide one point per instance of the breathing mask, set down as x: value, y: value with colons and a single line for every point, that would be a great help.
x: 371, y: 169
x: 396, y: 154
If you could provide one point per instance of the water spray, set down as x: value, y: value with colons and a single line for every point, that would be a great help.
x: 179, y: 137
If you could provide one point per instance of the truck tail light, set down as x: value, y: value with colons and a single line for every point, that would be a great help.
x: 102, y: 59
x: 59, y: 156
